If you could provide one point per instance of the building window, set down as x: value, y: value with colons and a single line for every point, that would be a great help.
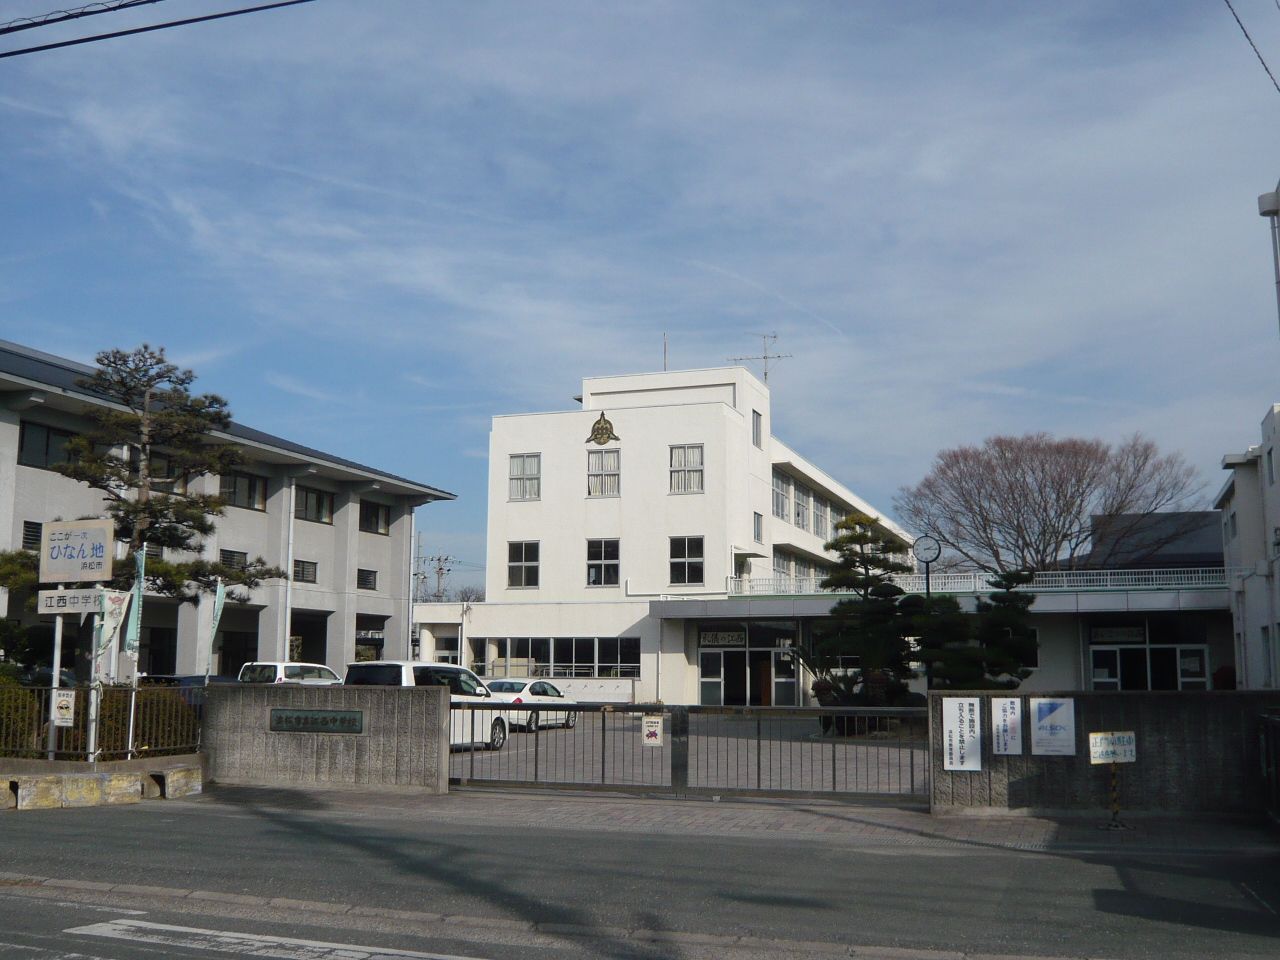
x: 32, y: 532
x: 602, y: 563
x: 525, y: 473
x: 602, y: 473
x: 757, y: 527
x: 304, y: 571
x: 804, y: 499
x: 41, y: 446
x: 366, y: 579
x: 314, y: 505
x: 686, y: 468
x: 757, y: 429
x: 821, y: 515
x: 446, y: 650
x: 1271, y: 469
x: 233, y: 559
x: 244, y: 490
x: 154, y: 551
x: 560, y: 657
x: 686, y: 560
x: 781, y: 496
x: 522, y: 564
x: 782, y: 569
x: 375, y: 518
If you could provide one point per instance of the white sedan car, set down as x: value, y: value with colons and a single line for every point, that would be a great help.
x: 547, y: 701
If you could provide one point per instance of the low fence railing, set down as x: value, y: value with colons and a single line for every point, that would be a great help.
x: 1269, y: 734
x: 149, y: 721
x: 1196, y: 578
x: 698, y: 749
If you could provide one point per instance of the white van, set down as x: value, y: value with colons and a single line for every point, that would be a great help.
x: 467, y: 728
x: 312, y: 674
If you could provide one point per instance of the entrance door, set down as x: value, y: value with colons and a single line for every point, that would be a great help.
x: 734, y: 669
x: 761, y: 669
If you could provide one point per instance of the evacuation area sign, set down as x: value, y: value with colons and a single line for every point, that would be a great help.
x: 1114, y: 747
x: 72, y: 551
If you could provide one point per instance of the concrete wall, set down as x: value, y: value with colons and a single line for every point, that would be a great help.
x: 1197, y: 752
x: 404, y: 741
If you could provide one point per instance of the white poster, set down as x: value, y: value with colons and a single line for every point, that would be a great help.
x: 1053, y: 727
x: 651, y: 731
x: 1006, y: 726
x: 1115, y: 747
x: 72, y: 551
x: 961, y: 734
x: 63, y: 708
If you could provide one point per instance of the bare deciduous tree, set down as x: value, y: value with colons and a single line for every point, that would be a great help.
x: 1037, y: 502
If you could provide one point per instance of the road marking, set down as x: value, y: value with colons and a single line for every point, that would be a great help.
x: 1257, y: 899
x: 79, y: 906
x: 224, y: 941
x: 18, y: 950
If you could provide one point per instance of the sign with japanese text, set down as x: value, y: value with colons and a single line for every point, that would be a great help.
x: 1006, y: 726
x: 651, y: 731
x: 723, y: 638
x: 62, y: 711
x: 72, y: 551
x: 1053, y: 727
x: 317, y: 721
x: 961, y: 734
x: 68, y: 601
x: 1114, y: 747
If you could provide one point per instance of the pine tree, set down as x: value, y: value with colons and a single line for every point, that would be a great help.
x: 989, y: 649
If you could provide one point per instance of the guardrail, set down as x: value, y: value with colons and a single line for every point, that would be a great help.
x: 1195, y: 578
x: 150, y: 721
x: 819, y: 750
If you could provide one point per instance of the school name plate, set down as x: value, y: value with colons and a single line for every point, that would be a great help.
x: 317, y: 721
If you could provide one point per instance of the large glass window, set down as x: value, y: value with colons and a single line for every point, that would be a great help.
x: 781, y: 496
x: 522, y: 564
x: 243, y: 490
x: 314, y: 505
x: 686, y: 560
x: 686, y: 468
x: 41, y: 446
x: 602, y: 657
x: 524, y: 473
x: 821, y: 516
x: 602, y: 563
x: 375, y: 518
x: 603, y: 475
x: 804, y: 500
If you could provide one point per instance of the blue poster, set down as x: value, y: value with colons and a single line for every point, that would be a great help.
x: 1053, y: 727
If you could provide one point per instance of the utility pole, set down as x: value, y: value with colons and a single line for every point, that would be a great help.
x: 766, y: 356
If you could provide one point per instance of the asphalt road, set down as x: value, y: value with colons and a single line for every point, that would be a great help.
x: 605, y: 886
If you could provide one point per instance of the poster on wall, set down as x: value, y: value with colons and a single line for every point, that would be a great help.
x: 1006, y: 726
x: 1053, y: 727
x: 961, y: 734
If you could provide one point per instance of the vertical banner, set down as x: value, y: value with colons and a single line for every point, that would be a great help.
x: 1053, y: 727
x: 219, y: 599
x: 1006, y: 726
x: 111, y: 612
x: 961, y: 734
x: 135, y: 613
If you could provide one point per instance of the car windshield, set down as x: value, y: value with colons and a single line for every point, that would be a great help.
x: 506, y: 686
x: 373, y: 675
x: 258, y: 673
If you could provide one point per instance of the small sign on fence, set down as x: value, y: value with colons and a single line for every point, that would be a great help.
x: 62, y: 710
x: 1114, y: 747
x: 962, y: 734
x: 651, y: 731
x: 1006, y: 726
x: 1053, y: 727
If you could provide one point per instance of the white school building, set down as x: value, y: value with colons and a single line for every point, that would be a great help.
x: 622, y: 535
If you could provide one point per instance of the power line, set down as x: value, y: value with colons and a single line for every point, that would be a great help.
x: 75, y: 13
x: 157, y: 26
x: 1256, y: 51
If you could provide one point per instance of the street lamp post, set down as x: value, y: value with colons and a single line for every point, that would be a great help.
x: 1269, y: 207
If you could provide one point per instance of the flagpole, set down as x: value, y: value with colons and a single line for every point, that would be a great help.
x: 219, y: 598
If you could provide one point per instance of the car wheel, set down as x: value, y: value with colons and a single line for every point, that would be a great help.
x: 497, y: 735
x: 531, y: 721
x: 570, y: 720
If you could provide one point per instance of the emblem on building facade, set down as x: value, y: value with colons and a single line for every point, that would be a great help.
x: 602, y: 431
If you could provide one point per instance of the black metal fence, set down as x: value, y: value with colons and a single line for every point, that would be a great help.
x: 1269, y: 737
x: 700, y: 749
x: 150, y: 722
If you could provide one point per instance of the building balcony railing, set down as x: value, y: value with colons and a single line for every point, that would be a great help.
x: 1052, y: 581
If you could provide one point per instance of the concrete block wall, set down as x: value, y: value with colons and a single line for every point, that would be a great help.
x: 404, y: 742
x: 1197, y: 753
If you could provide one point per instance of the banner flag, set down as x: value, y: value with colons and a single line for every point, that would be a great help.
x: 134, y: 630
x: 111, y: 612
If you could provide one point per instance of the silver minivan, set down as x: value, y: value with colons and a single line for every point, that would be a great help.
x: 467, y: 728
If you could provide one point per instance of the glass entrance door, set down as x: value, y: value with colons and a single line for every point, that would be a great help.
x: 1150, y: 668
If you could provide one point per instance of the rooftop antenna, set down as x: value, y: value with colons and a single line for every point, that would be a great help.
x: 664, y: 353
x: 766, y: 356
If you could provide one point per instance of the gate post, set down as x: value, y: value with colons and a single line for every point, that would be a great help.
x: 679, y: 749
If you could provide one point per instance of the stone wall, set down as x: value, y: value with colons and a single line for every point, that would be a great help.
x: 1196, y: 753
x: 403, y: 737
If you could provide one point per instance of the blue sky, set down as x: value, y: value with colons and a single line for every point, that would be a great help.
x: 374, y: 225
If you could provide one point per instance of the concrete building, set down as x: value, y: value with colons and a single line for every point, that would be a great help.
x: 1250, y: 505
x: 664, y: 491
x: 343, y: 529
